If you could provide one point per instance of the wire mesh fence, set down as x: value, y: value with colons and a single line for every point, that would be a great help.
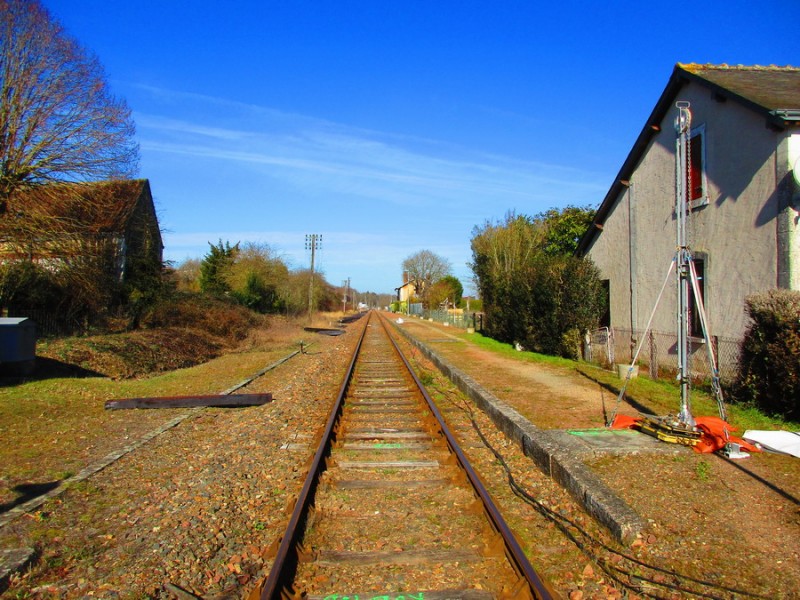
x: 657, y: 351
x: 454, y: 317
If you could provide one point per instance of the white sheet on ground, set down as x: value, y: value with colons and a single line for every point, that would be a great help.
x: 786, y: 442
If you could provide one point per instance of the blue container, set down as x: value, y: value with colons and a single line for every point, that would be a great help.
x: 17, y: 344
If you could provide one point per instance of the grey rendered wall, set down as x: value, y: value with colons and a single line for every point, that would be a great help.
x: 736, y: 230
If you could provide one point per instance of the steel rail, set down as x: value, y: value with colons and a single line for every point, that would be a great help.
x: 277, y: 584
x: 280, y: 566
x: 538, y: 588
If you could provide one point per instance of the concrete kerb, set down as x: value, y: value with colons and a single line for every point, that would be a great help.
x: 547, y: 453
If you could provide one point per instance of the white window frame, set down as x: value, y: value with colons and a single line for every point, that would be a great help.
x: 700, y: 130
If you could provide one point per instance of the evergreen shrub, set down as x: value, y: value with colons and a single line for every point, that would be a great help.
x: 769, y: 365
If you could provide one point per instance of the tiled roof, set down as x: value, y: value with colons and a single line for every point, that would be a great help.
x: 771, y: 87
x: 98, y: 207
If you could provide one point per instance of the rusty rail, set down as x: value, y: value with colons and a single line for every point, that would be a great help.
x: 285, y: 560
x: 538, y: 587
x: 528, y: 583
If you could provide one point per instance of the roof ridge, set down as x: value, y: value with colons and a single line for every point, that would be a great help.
x: 695, y: 67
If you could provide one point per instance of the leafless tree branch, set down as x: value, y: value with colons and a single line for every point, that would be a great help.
x: 58, y: 118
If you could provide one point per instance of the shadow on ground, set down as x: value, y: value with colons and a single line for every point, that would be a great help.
x: 28, y: 491
x: 45, y: 368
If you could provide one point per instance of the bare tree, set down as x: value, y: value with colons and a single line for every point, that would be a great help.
x: 58, y: 119
x: 59, y: 124
x: 423, y: 269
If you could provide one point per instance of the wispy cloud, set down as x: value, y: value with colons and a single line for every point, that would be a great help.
x: 303, y: 172
x: 371, y: 164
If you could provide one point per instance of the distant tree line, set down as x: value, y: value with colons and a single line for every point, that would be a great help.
x: 535, y: 292
x: 255, y: 276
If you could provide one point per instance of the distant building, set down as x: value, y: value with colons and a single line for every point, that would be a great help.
x: 744, y: 215
x: 406, y: 291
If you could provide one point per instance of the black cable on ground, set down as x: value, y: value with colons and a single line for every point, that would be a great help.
x: 591, y: 546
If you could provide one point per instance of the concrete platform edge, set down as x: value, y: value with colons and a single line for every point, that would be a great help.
x: 551, y: 457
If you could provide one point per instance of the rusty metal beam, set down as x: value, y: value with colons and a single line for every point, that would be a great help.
x: 229, y: 401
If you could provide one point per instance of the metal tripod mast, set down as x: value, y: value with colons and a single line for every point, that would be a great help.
x: 683, y: 123
x: 687, y: 274
x: 687, y: 280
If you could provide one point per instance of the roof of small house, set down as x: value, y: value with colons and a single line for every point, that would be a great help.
x: 771, y: 91
x: 97, y: 207
x: 771, y: 88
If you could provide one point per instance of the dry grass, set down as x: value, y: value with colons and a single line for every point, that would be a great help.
x: 55, y: 424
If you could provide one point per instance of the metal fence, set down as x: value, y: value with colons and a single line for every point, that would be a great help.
x: 659, y: 352
x: 454, y: 317
x: 48, y: 323
x: 415, y: 308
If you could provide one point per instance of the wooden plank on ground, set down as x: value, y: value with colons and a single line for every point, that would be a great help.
x: 407, y: 557
x: 372, y: 484
x: 229, y: 401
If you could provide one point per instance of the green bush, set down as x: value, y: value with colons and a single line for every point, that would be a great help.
x: 534, y: 291
x: 571, y: 344
x: 545, y: 305
x: 769, y: 366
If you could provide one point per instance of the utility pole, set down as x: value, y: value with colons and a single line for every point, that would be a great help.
x: 346, y: 286
x: 313, y: 243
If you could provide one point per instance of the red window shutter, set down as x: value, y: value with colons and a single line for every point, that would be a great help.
x: 694, y: 172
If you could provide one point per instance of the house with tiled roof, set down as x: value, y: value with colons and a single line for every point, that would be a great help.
x: 744, y: 215
x: 114, y: 221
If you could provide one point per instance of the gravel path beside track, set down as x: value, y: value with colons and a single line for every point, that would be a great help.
x: 194, y: 508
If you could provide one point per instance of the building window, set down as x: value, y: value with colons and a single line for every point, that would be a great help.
x: 695, y: 326
x: 605, y: 318
x: 696, y: 169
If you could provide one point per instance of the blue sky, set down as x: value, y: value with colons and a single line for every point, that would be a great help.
x: 391, y: 127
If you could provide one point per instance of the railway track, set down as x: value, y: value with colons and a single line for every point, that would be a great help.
x: 391, y: 507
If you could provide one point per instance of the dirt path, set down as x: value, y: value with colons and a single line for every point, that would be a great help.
x: 733, y: 524
x: 550, y: 398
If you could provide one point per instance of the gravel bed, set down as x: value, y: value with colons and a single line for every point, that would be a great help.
x: 567, y: 562
x: 196, y: 507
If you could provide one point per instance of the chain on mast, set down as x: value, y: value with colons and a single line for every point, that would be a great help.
x: 681, y: 428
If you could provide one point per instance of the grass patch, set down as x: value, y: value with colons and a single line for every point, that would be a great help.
x: 661, y: 396
x: 703, y: 470
x: 53, y: 427
x: 509, y: 351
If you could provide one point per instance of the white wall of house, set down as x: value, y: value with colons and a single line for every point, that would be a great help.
x: 406, y: 291
x: 736, y: 233
x: 792, y: 216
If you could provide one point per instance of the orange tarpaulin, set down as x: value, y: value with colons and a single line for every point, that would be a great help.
x: 713, y: 431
